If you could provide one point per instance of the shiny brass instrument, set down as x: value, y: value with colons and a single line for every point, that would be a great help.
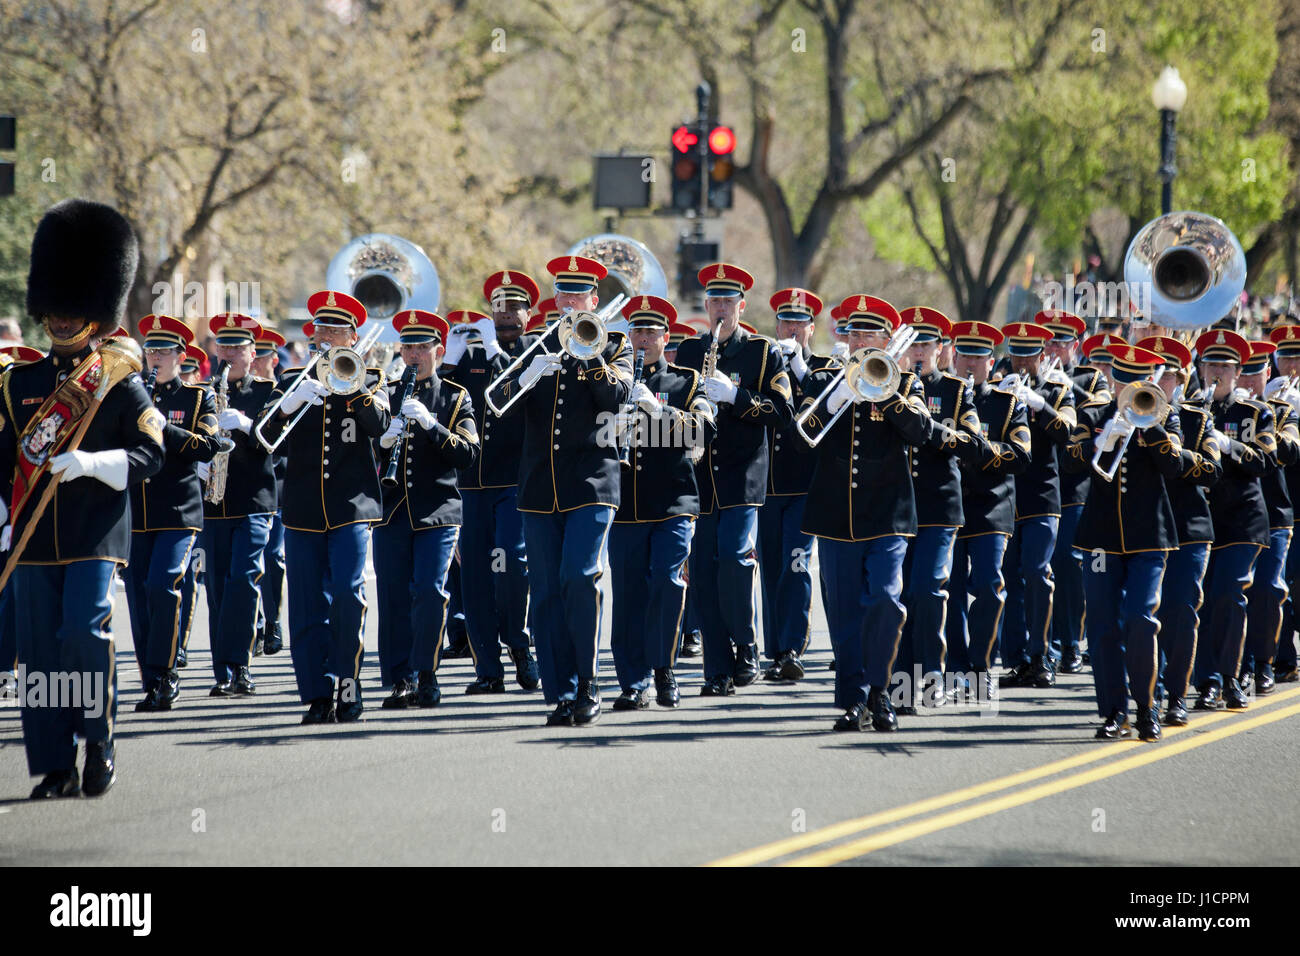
x: 871, y: 373
x: 387, y: 274
x: 1193, y: 265
x: 581, y: 335
x: 219, y: 468
x: 1142, y: 405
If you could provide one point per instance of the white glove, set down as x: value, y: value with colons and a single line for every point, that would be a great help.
x: 106, y: 466
x: 642, y: 396
x: 456, y: 345
x: 1058, y: 376
x: 840, y: 350
x: 1031, y: 398
x: 487, y: 329
x: 233, y: 420
x: 540, y: 365
x: 414, y: 409
x: 842, y: 395
x: 203, y: 470
x: 7, y: 538
x: 720, y: 389
x: 797, y: 364
x: 1113, y: 434
x: 1240, y: 393
x: 1009, y: 383
x: 308, y: 391
x: 1276, y: 385
x: 389, y: 438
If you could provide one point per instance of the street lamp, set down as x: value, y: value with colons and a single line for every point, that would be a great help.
x: 1168, y: 94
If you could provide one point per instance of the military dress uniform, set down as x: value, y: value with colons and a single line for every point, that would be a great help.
x: 190, y: 365
x: 1287, y: 340
x: 83, y: 262
x: 862, y: 509
x: 784, y: 550
x: 732, y: 477
x: 988, y: 491
x: 1240, y: 528
x: 493, y: 559
x: 1181, y: 594
x: 236, y: 529
x: 416, y: 538
x: 568, y: 493
x: 271, y: 587
x: 1027, y: 621
x: 1126, y: 533
x: 21, y: 354
x: 650, y: 541
x: 936, y: 482
x: 332, y: 497
x: 166, y: 517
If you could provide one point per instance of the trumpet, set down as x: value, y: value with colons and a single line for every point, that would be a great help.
x: 581, y: 335
x: 342, y: 370
x: 872, y: 374
x: 1141, y: 405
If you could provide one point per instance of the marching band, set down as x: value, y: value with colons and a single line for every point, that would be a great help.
x: 1094, y: 501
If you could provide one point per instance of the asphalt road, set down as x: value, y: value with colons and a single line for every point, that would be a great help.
x: 757, y: 779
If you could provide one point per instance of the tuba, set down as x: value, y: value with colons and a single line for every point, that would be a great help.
x: 1193, y: 265
x: 387, y: 274
x: 633, y: 269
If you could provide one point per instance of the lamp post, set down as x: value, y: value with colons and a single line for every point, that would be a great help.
x: 1168, y: 94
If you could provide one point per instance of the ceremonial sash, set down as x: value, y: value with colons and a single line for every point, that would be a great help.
x: 51, y: 427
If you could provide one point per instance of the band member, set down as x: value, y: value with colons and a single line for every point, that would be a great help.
x: 1285, y: 670
x: 862, y: 509
x: 236, y: 528
x: 1067, y: 563
x: 936, y: 482
x: 493, y: 560
x: 457, y: 633
x: 83, y: 263
x: 651, y: 538
x: 784, y: 550
x: 433, y: 436
x: 988, y: 490
x: 1027, y: 623
x: 1181, y: 595
x: 167, y: 511
x: 1246, y: 442
x: 1268, y: 591
x: 751, y: 388
x: 331, y: 497
x: 568, y: 489
x: 194, y: 358
x: 270, y: 639
x: 1127, y: 531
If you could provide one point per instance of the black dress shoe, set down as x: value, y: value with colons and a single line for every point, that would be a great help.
x: 562, y: 716
x: 401, y: 697
x: 718, y: 687
x: 883, y: 718
x: 321, y: 711
x: 457, y: 648
x: 1071, y: 664
x: 1148, y: 727
x: 746, y: 670
x: 631, y: 700
x: 1234, y: 697
x: 1041, y: 674
x: 349, y: 711
x: 772, y: 672
x: 1176, y: 715
x: 855, y: 718
x: 1211, y: 698
x: 1086, y: 657
x: 171, y: 688
x: 181, y: 658
x: 273, y: 643
x: 691, y: 646
x: 223, y: 688
x: 1018, y: 676
x: 242, y: 685
x: 526, y: 675
x: 152, y: 700
x: 1114, y: 727
x: 258, y: 643
x: 1264, y: 682
x: 666, y: 693
x: 61, y: 783
x: 791, y: 666
x: 487, y: 685
x: 1287, y: 675
x: 906, y: 710
x: 427, y: 692
x: 831, y: 665
x: 586, y: 709
x: 99, y: 773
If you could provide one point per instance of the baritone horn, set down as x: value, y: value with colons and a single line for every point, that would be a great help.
x: 872, y: 374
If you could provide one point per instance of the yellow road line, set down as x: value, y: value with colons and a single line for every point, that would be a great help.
x: 857, y: 848
x: 846, y: 828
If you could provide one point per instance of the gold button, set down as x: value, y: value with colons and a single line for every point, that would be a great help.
x: 853, y: 484
x: 556, y: 447
x: 557, y: 431
x: 327, y: 474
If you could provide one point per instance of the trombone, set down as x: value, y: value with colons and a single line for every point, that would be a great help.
x: 1142, y: 405
x: 343, y: 372
x: 583, y: 335
x: 873, y: 375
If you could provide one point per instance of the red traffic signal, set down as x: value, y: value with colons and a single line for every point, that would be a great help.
x: 684, y: 139
x: 721, y: 140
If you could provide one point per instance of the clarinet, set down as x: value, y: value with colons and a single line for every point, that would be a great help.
x: 625, y: 448
x: 394, y: 460
x: 153, y: 377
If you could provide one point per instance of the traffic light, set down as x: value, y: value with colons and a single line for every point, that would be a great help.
x: 722, y: 149
x: 686, y: 167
